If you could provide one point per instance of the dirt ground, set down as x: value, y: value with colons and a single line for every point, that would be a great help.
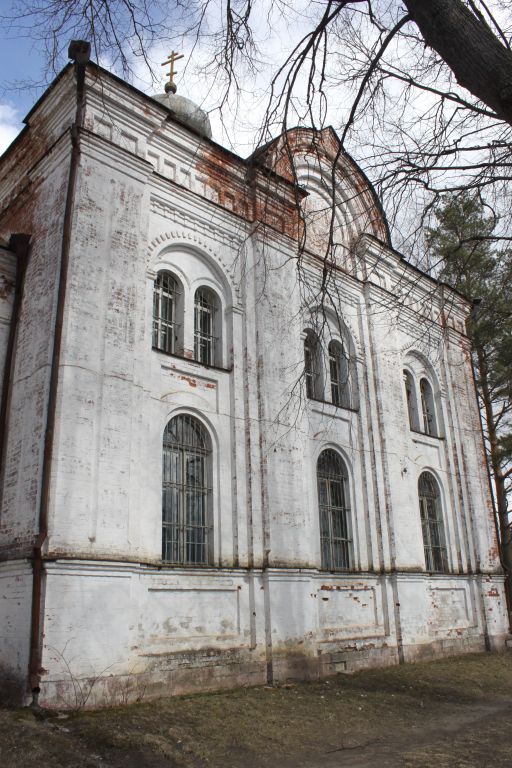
x: 452, y: 713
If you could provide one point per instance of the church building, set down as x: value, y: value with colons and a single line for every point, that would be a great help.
x: 239, y: 437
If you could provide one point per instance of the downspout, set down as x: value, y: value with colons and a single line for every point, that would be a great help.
x: 19, y: 245
x: 79, y: 51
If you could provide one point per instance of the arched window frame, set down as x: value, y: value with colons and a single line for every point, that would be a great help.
x: 432, y: 524
x: 167, y: 328
x: 313, y: 366
x: 207, y: 326
x: 339, y: 373
x: 423, y: 396
x: 336, y: 541
x: 187, y: 473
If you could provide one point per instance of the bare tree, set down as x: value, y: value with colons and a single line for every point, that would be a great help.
x: 474, y: 266
x: 428, y: 82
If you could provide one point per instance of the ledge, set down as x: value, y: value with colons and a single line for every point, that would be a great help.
x: 192, y: 360
x: 332, y: 405
x: 425, y: 435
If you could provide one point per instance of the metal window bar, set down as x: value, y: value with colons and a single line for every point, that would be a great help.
x: 410, y: 401
x: 204, y: 340
x: 165, y: 293
x: 308, y: 370
x: 335, y: 539
x: 185, y: 492
x: 434, y: 545
x: 311, y: 366
x: 428, y: 416
x: 339, y: 372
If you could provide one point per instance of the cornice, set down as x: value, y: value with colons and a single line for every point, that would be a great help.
x: 114, y: 156
x: 204, y: 224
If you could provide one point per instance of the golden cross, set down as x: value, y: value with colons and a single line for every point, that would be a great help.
x: 170, y: 85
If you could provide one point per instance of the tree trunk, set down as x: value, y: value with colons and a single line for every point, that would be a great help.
x: 497, y: 475
x: 477, y: 58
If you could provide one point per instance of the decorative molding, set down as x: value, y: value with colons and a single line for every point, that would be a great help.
x: 200, y: 223
x: 186, y: 237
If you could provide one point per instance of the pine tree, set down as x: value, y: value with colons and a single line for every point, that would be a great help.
x: 471, y: 263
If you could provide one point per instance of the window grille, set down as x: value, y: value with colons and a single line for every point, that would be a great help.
x: 204, y: 323
x: 434, y: 544
x: 339, y: 374
x: 311, y: 366
x: 186, y: 492
x: 335, y: 538
x: 165, y: 293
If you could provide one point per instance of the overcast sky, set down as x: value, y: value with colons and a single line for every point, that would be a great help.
x: 17, y: 59
x: 22, y: 65
x: 277, y: 27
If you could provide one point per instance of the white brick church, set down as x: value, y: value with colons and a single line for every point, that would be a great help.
x: 233, y: 450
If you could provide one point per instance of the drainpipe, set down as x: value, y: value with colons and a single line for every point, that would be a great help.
x: 79, y: 52
x: 19, y: 245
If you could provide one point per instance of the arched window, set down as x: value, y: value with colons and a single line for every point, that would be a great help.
x: 339, y: 374
x: 207, y: 341
x: 186, y: 492
x: 334, y: 508
x: 167, y: 327
x: 428, y: 408
x: 412, y: 405
x: 313, y: 366
x: 434, y: 542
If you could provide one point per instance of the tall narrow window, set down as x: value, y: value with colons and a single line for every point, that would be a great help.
x: 165, y: 325
x: 434, y: 543
x: 205, y: 340
x: 333, y: 502
x: 339, y: 374
x: 428, y: 409
x: 186, y: 492
x: 313, y: 366
x: 412, y: 406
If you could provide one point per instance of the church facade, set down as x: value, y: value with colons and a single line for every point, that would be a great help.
x: 239, y: 434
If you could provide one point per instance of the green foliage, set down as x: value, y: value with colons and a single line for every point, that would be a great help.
x: 464, y: 243
x: 461, y: 242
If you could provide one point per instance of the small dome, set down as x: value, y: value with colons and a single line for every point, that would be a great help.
x: 188, y: 112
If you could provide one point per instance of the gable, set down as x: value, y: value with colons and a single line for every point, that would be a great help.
x: 340, y: 204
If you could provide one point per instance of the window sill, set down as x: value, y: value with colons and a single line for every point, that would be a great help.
x: 448, y: 574
x: 425, y: 434
x: 170, y: 565
x: 191, y: 360
x: 333, y: 405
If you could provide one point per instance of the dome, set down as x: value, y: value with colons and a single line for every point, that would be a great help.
x: 188, y: 112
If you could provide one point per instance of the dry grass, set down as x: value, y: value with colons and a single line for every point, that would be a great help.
x: 453, y: 712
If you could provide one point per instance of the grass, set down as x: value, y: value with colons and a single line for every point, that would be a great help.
x: 451, y: 712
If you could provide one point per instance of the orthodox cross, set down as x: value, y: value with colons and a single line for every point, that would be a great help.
x: 170, y: 84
